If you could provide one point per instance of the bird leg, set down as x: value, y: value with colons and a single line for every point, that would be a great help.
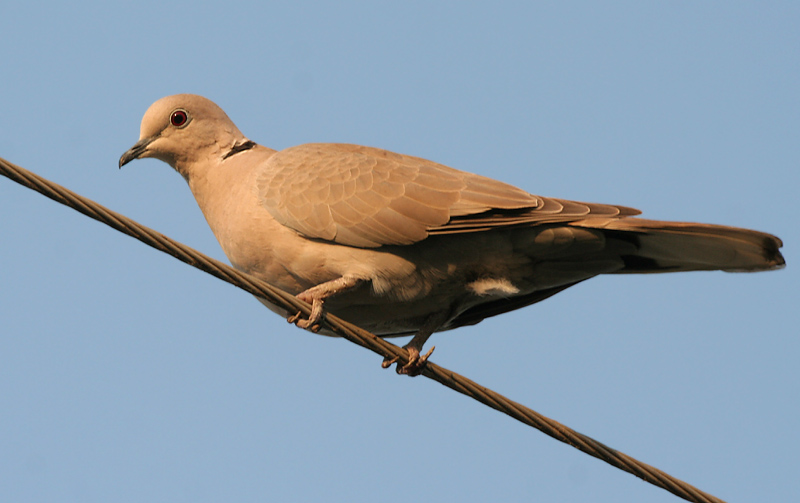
x: 316, y: 296
x: 416, y: 363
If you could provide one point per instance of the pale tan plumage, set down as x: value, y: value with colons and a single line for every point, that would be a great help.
x: 368, y: 197
x: 402, y: 245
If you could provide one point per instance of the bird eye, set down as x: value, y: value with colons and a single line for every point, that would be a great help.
x: 179, y: 118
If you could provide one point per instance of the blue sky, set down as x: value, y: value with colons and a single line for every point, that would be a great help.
x: 128, y: 376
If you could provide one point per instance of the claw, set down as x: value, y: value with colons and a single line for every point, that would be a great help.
x: 312, y: 323
x: 387, y: 362
x: 316, y: 296
x: 309, y: 324
x: 416, y: 363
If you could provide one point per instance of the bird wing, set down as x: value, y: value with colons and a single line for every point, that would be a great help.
x: 368, y: 197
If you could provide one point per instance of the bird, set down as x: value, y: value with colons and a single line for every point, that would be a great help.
x: 401, y: 245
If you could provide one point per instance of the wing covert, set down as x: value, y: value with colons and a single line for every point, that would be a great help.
x: 368, y: 197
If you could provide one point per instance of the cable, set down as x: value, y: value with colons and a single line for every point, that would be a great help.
x: 355, y: 334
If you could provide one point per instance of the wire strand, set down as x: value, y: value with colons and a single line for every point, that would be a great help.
x: 355, y: 334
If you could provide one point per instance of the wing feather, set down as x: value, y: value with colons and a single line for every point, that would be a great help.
x: 367, y: 197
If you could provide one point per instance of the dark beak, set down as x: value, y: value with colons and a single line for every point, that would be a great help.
x: 135, y: 151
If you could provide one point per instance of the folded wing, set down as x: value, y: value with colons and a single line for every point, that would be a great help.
x: 368, y: 197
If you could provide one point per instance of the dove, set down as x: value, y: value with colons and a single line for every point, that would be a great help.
x: 401, y: 245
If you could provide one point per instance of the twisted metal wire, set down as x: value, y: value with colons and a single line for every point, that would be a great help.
x: 355, y: 334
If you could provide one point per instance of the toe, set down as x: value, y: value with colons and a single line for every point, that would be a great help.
x: 416, y: 363
x: 387, y: 362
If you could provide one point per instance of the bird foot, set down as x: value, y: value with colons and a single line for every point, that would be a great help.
x: 312, y: 323
x: 416, y: 363
x: 316, y: 297
x: 309, y: 324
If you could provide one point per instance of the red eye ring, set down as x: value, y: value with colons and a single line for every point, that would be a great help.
x: 179, y: 118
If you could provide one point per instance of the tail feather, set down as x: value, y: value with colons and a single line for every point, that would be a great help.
x: 680, y: 246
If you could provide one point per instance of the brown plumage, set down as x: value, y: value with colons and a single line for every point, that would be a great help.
x: 402, y: 245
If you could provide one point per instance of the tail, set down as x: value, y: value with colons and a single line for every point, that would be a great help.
x: 679, y: 246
